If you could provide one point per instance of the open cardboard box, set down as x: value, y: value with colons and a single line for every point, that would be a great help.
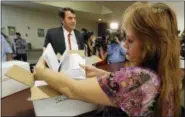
x: 44, y: 97
x: 10, y: 86
x: 24, y: 76
x: 39, y: 92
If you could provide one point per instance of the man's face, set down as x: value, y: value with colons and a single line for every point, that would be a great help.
x: 69, y: 21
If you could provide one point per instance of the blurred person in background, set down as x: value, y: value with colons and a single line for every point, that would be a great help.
x: 6, y: 51
x: 91, y: 44
x: 100, y: 49
x: 20, y: 47
x: 115, y: 51
x: 89, y: 41
x: 101, y: 44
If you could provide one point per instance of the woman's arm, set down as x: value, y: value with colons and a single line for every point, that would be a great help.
x: 86, y: 90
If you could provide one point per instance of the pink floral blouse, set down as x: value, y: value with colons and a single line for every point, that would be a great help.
x: 133, y: 89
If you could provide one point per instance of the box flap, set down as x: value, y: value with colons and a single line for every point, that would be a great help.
x: 80, y: 52
x: 43, y: 92
x: 21, y: 75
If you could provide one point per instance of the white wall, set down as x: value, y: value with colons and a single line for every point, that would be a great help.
x: 87, y: 6
x: 21, y: 18
x: 178, y: 7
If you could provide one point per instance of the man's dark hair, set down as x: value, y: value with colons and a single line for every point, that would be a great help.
x: 18, y: 34
x: 62, y: 12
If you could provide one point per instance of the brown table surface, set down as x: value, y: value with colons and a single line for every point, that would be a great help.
x: 17, y: 104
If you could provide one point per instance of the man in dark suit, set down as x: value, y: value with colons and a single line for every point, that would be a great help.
x: 65, y: 36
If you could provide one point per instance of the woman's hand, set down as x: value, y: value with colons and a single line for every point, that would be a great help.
x: 40, y: 66
x: 92, y: 71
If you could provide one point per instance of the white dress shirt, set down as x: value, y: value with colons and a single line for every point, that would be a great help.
x: 74, y: 45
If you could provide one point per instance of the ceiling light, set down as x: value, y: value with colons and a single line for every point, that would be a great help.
x: 114, y: 25
x: 99, y: 19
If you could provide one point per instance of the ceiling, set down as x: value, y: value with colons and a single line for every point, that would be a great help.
x: 106, y: 10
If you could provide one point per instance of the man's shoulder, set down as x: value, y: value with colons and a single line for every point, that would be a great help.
x: 77, y: 32
x: 54, y: 29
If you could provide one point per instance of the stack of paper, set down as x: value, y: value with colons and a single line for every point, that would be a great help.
x: 51, y: 58
x: 68, y: 63
x: 71, y: 66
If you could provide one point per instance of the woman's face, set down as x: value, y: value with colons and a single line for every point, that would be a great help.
x: 133, y: 46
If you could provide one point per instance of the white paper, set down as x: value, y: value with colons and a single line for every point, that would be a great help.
x: 69, y: 63
x: 182, y: 64
x: 75, y: 60
x: 51, y: 58
x: 64, y: 56
x: 71, y: 66
x: 76, y: 73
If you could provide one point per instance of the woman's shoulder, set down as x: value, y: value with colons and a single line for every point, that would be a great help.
x: 138, y: 73
x: 132, y: 88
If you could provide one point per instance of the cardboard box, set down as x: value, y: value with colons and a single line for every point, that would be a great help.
x: 61, y: 106
x: 47, y: 101
x: 10, y: 86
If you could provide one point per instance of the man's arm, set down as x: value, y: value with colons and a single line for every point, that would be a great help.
x: 47, y: 39
x: 81, y: 41
x: 26, y: 45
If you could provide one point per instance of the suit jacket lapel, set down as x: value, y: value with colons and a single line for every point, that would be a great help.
x: 62, y: 40
x: 77, y: 38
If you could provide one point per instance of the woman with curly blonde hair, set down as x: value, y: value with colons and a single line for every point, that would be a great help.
x: 151, y: 86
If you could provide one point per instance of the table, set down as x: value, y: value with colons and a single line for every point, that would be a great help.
x: 17, y: 104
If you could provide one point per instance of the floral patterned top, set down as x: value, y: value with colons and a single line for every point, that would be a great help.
x: 133, y: 89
